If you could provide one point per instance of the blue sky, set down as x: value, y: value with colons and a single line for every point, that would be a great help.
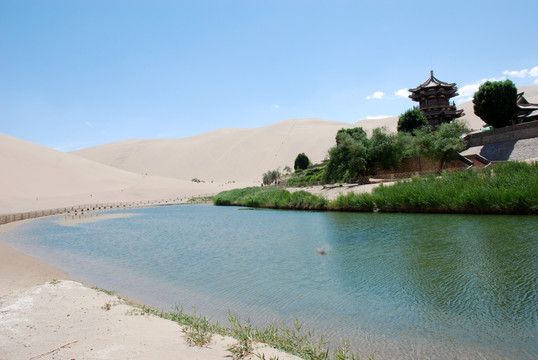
x: 79, y: 73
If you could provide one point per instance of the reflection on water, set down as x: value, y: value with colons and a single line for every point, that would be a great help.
x: 397, y: 285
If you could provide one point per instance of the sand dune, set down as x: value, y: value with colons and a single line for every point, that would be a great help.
x: 228, y: 154
x: 36, y: 177
x: 242, y: 154
x: 223, y: 155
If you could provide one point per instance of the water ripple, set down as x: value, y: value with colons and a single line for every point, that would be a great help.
x: 400, y: 286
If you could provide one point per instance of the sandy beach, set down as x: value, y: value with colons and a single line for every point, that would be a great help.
x: 45, y: 314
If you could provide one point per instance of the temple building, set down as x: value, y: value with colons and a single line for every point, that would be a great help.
x: 433, y: 97
x: 526, y: 111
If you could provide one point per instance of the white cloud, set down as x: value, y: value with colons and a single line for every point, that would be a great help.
x: 468, y: 90
x: 502, y: 78
x: 402, y: 93
x: 376, y: 95
x: 461, y: 100
x: 377, y: 117
x: 536, y: 81
x: 275, y: 106
x: 517, y: 73
x: 524, y: 73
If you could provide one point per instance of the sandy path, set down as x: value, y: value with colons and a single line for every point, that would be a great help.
x: 333, y: 191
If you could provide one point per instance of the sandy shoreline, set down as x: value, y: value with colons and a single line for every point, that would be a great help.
x: 45, y: 314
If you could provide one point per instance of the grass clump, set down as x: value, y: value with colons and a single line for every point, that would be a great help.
x: 245, y: 335
x: 198, y: 329
x: 353, y: 202
x: 271, y: 197
x: 200, y: 199
x: 508, y: 188
x: 108, y: 292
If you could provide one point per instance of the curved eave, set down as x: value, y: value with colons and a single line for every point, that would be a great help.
x: 432, y: 82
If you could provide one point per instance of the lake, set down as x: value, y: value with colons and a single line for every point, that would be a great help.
x: 396, y: 285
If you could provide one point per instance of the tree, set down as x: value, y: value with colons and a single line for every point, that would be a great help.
x: 385, y: 150
x: 443, y: 145
x: 412, y: 120
x: 270, y: 177
x: 495, y: 102
x: 301, y: 162
x: 348, y: 160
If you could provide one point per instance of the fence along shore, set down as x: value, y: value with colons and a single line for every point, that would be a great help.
x: 83, y: 209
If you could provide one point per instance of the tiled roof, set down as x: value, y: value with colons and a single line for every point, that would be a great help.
x: 432, y: 82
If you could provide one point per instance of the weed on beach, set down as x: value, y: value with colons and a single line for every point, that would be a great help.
x: 108, y: 292
x: 199, y: 332
x: 293, y: 340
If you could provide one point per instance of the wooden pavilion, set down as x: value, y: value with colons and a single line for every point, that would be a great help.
x: 433, y: 97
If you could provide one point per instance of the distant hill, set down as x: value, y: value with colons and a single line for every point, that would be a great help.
x: 36, y: 177
x: 241, y: 154
x: 222, y: 155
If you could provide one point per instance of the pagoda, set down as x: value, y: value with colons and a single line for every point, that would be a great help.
x: 433, y: 97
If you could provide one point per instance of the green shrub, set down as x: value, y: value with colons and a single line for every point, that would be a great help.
x: 301, y: 161
x: 353, y: 202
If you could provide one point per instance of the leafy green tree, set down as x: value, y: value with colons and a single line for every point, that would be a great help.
x: 443, y: 145
x: 412, y: 120
x: 385, y: 150
x: 301, y: 162
x: 495, y: 102
x: 348, y: 160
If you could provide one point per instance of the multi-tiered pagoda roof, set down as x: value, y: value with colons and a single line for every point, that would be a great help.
x: 433, y: 97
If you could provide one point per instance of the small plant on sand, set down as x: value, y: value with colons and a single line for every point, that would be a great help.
x: 245, y: 335
x: 108, y: 292
x: 262, y: 357
x: 198, y: 331
x: 200, y: 199
x: 54, y: 282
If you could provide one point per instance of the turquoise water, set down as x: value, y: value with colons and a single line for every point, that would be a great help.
x: 396, y: 285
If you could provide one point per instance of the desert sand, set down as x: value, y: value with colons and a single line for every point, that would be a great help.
x: 44, y: 314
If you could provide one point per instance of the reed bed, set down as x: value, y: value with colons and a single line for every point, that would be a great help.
x: 508, y: 188
x: 271, y: 197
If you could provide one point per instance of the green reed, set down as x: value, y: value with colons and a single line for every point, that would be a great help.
x: 508, y: 188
